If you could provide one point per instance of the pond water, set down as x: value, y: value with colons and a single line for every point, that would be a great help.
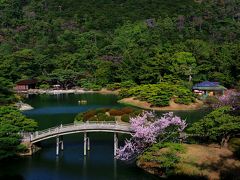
x: 52, y: 110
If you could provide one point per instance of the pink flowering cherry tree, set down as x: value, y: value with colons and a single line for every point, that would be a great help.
x: 147, y: 130
x: 230, y: 98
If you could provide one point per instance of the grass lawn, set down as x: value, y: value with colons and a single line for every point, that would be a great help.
x: 202, y: 161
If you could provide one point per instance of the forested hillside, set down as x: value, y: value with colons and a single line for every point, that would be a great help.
x: 74, y: 42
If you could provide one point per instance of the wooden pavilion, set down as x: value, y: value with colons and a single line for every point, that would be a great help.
x: 209, y: 88
x: 24, y: 85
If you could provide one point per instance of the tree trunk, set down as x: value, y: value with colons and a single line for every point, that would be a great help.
x: 224, y: 141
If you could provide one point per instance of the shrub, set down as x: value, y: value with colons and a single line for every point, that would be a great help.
x: 127, y: 84
x: 96, y: 87
x: 166, y: 155
x: 113, y: 86
x: 79, y: 117
x: 136, y: 112
x: 93, y: 119
x: 110, y: 118
x: 100, y: 114
x: 88, y: 115
x: 115, y: 112
x: 44, y: 86
x: 22, y: 148
x: 102, y: 110
x: 125, y: 118
x: 124, y: 93
x: 127, y: 110
x: 91, y: 86
x: 211, y: 100
x: 159, y: 94
x: 102, y: 117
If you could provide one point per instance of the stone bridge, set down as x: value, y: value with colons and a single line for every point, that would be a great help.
x: 81, y: 127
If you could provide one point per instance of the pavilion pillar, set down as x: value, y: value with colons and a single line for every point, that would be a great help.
x: 115, y: 138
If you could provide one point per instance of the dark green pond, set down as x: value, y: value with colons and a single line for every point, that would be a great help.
x: 52, y: 110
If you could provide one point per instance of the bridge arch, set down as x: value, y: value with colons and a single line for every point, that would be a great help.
x: 59, y: 131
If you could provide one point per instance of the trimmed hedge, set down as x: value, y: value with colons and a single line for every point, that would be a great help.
x: 127, y: 110
x: 116, y: 112
x: 127, y: 84
x: 102, y: 110
x: 124, y: 84
x: 106, y: 114
x: 125, y: 118
x: 113, y: 86
x: 104, y: 117
x: 91, y: 86
x: 160, y: 94
x: 89, y: 114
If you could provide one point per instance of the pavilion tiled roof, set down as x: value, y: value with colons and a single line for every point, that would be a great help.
x: 207, y: 85
x: 27, y: 82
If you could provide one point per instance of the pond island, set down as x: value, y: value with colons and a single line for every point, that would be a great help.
x: 119, y: 89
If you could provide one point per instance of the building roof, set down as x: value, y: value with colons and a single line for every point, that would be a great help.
x: 207, y: 85
x: 27, y: 82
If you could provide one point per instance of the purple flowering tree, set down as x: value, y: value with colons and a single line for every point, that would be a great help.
x: 230, y: 98
x: 149, y: 129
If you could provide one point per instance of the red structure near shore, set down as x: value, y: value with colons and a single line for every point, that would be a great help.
x: 24, y: 85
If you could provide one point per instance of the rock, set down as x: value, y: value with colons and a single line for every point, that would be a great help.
x: 23, y: 106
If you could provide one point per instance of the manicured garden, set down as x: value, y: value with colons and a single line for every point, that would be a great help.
x: 190, y: 161
x: 107, y: 114
x: 160, y: 94
x: 209, y: 148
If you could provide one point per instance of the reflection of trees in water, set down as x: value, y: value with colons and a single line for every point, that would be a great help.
x: 12, y: 177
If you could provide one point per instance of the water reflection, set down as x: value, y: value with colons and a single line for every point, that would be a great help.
x: 115, y: 168
x: 71, y: 164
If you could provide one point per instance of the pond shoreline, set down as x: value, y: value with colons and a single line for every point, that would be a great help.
x: 127, y: 101
x: 67, y: 91
x: 172, y: 107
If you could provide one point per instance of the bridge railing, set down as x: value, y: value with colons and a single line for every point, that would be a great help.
x: 111, y: 125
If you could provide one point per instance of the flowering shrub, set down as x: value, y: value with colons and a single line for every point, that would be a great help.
x: 230, y: 98
x: 147, y: 131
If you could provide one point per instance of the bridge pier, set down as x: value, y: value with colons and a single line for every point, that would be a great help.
x: 59, y: 144
x: 115, y: 137
x: 86, y: 144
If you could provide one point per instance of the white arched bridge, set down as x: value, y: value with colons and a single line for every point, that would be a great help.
x: 81, y: 127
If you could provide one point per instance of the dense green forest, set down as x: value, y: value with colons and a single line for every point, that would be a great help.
x: 101, y: 42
